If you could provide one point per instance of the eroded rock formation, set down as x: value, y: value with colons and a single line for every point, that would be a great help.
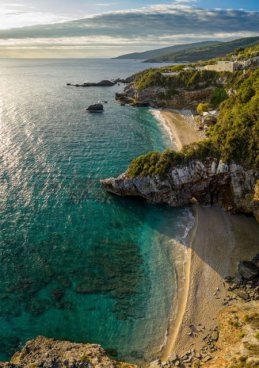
x: 209, y: 182
x: 49, y: 353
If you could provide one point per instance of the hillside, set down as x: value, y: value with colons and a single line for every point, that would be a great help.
x: 195, y: 54
x: 230, y: 150
x: 166, y: 50
x: 231, y: 138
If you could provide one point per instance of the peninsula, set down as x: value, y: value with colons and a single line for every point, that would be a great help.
x: 214, y: 162
x: 223, y: 167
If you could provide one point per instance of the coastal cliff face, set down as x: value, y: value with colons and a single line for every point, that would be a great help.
x: 209, y: 182
x: 49, y: 353
x: 152, y: 97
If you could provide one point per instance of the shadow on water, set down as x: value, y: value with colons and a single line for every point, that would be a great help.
x: 74, y: 259
x: 237, y: 227
x: 39, y: 275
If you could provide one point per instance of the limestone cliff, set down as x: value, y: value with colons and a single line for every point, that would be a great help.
x: 209, y: 182
x: 49, y: 353
x: 152, y: 96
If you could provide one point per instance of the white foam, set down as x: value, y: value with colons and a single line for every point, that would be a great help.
x: 163, y: 123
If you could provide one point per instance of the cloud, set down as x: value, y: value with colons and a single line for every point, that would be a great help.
x: 149, y: 27
x: 106, y: 4
x: 186, y: 1
x: 17, y: 15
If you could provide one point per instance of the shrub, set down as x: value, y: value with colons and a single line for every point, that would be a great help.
x: 200, y: 151
x: 237, y: 130
x: 155, y: 163
x: 84, y: 359
x: 203, y: 107
x: 189, y: 79
x: 219, y: 95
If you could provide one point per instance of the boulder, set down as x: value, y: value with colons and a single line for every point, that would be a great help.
x: 248, y: 270
x: 242, y: 294
x: 95, y: 108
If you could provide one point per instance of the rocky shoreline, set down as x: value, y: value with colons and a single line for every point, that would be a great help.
x: 49, y: 353
x: 102, y: 83
x: 242, y: 288
x: 209, y: 182
x: 150, y: 97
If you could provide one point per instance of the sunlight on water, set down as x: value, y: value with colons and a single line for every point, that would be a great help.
x: 77, y: 263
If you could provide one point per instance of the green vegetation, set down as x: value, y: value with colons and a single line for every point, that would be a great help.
x: 219, y: 95
x: 172, y: 68
x: 156, y: 163
x: 253, y: 319
x: 84, y: 359
x: 203, y: 107
x: 235, y: 136
x: 195, y: 53
x: 246, y: 53
x: 237, y: 130
x: 165, y: 50
x: 189, y: 80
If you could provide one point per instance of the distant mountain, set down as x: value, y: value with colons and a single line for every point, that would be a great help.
x: 166, y: 50
x: 197, y: 53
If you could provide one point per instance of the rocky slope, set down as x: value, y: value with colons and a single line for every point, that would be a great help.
x: 49, y: 353
x: 151, y: 97
x: 234, y: 341
x: 233, y: 344
x: 209, y: 182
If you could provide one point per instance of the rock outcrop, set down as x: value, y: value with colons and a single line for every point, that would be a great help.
x: 248, y: 270
x: 49, y: 353
x: 95, y: 108
x: 209, y: 182
x: 102, y: 83
x: 152, y: 97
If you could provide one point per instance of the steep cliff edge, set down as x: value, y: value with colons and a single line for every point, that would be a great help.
x: 222, y: 169
x: 50, y: 353
x: 209, y: 182
x: 156, y: 97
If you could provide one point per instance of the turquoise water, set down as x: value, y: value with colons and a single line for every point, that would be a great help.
x: 76, y: 262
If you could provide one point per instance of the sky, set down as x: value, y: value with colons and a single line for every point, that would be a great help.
x: 107, y: 28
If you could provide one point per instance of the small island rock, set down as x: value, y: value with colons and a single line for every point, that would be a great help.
x: 95, y: 108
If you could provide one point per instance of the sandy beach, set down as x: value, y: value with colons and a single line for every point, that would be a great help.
x: 217, y: 242
x: 180, y: 126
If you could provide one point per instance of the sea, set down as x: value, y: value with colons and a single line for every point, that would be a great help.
x: 78, y: 263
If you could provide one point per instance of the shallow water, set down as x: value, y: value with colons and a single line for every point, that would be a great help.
x: 77, y: 263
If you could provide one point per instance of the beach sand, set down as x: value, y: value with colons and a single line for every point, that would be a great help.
x: 217, y: 242
x: 180, y: 126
